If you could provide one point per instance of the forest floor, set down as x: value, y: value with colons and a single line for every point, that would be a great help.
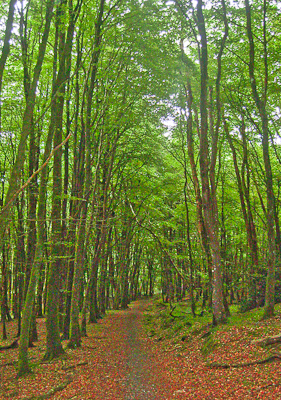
x: 151, y: 352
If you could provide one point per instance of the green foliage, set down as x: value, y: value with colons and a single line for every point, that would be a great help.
x: 143, y: 187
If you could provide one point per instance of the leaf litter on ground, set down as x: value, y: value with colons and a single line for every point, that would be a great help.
x: 120, y: 360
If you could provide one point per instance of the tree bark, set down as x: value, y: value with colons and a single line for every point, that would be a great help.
x: 75, y: 335
x: 23, y: 366
x: 208, y: 198
x: 65, y: 43
x: 6, y: 47
x: 247, y: 215
x: 261, y: 106
x: 14, y: 182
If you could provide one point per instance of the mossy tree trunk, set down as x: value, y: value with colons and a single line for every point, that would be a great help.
x: 75, y: 205
x: 75, y: 334
x: 65, y: 43
x: 14, y: 181
x: 6, y: 46
x: 23, y: 366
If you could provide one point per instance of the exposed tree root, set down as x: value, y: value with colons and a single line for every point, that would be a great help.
x: 54, y: 354
x: 52, y: 391
x: 13, y: 345
x: 266, y: 341
x: 247, y: 364
x: 74, y: 343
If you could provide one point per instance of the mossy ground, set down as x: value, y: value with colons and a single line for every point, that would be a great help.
x: 176, y: 324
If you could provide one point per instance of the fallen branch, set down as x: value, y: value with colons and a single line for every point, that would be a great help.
x: 90, y: 347
x: 172, y: 308
x: 13, y: 345
x: 161, y: 305
x: 247, y: 364
x: 268, y: 340
x: 68, y: 367
x: 52, y: 391
x: 8, y: 364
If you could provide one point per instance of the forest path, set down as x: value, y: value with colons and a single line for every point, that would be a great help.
x: 138, y: 378
x: 134, y: 370
x: 118, y: 361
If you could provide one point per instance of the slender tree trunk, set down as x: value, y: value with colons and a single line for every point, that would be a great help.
x: 54, y: 347
x: 23, y: 366
x: 261, y: 106
x: 75, y: 335
x: 199, y: 204
x: 14, y: 182
x: 208, y: 198
x: 20, y: 261
x: 4, y: 304
x: 6, y: 48
x: 32, y: 164
x: 76, y: 192
x: 246, y: 207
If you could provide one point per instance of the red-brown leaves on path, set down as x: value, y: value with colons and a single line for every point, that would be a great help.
x: 117, y: 361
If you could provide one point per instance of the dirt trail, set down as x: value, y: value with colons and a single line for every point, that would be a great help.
x: 133, y: 371
x: 139, y: 362
x: 141, y: 373
x: 117, y: 361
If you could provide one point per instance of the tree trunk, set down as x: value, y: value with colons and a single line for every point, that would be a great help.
x: 75, y: 335
x: 14, y: 182
x: 246, y: 207
x: 65, y: 43
x: 6, y: 48
x: 208, y: 198
x: 23, y: 366
x: 261, y: 106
